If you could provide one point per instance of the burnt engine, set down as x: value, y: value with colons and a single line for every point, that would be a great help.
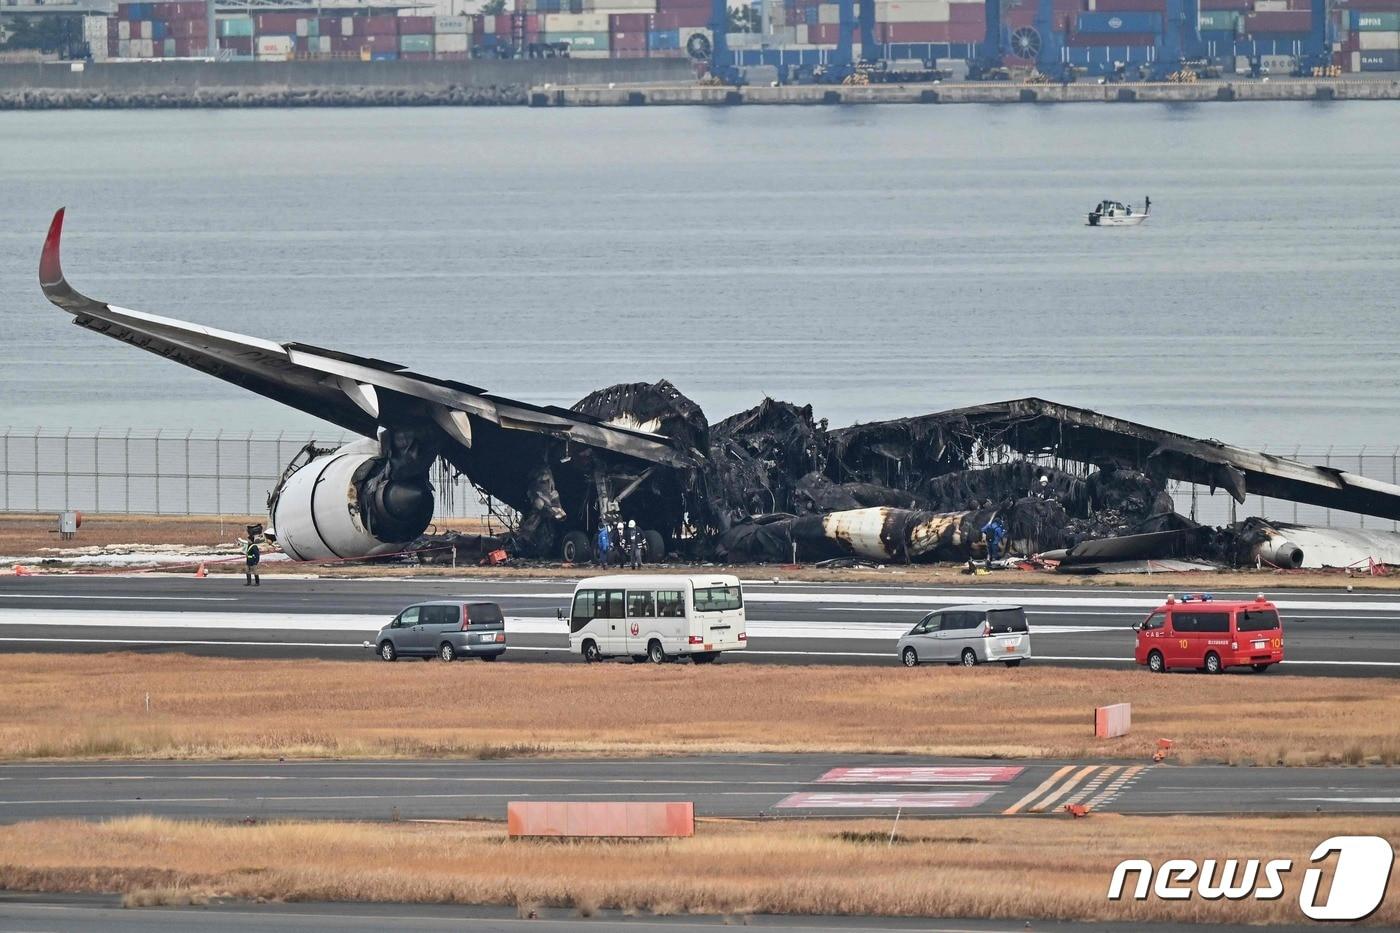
x: 366, y: 498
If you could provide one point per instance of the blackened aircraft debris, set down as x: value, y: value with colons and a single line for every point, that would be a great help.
x: 768, y: 484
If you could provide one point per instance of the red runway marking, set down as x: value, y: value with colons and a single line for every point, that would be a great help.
x: 940, y: 800
x: 928, y: 775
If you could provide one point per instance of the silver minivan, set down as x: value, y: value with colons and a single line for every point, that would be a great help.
x: 968, y: 635
x: 446, y: 629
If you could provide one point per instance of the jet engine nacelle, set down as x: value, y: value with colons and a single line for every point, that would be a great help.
x: 345, y: 504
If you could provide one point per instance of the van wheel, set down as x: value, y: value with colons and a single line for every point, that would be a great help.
x: 910, y: 657
x: 575, y: 548
x: 969, y: 658
x: 1156, y: 664
x: 387, y: 652
x: 655, y: 653
x: 447, y: 652
x: 1014, y: 662
x: 1260, y: 668
x: 1212, y: 663
x: 591, y: 654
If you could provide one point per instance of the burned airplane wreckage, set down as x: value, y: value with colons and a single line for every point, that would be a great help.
x: 771, y: 484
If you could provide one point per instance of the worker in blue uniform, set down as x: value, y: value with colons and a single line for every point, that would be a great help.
x: 994, y: 531
x: 604, y: 544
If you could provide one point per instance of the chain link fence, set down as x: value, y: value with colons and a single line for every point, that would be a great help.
x: 166, y: 472
x: 189, y: 473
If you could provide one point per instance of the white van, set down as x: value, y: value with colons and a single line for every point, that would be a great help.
x: 657, y: 617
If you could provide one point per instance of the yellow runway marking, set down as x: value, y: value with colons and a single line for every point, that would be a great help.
x: 1046, y: 785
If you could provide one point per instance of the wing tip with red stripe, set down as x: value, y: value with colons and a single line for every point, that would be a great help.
x: 50, y: 266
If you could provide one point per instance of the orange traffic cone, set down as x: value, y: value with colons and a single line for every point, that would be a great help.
x: 201, y: 573
x: 21, y: 570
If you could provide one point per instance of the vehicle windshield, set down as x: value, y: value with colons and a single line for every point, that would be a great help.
x: 1256, y: 620
x: 718, y: 598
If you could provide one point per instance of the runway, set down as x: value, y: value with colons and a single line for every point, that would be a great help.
x: 102, y: 914
x: 1326, y: 632
x: 720, y: 786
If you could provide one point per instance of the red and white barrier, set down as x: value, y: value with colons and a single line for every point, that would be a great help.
x: 1112, y: 721
x: 618, y: 820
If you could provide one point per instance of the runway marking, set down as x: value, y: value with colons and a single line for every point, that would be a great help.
x: 1345, y: 799
x: 1044, y: 786
x: 181, y: 599
x: 920, y: 775
x: 936, y: 800
x: 1116, y: 787
x: 1062, y: 789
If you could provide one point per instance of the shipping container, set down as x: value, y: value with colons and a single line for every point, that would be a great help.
x: 1378, y: 41
x: 123, y: 30
x: 1379, y: 61
x: 967, y: 12
x: 1219, y: 21
x: 619, y: 6
x: 384, y: 56
x: 274, y: 45
x: 450, y: 42
x: 664, y: 39
x: 284, y: 24
x: 415, y: 43
x: 456, y: 25
x: 578, y: 41
x: 1127, y: 22
x: 912, y: 32
x: 416, y: 25
x: 637, y: 41
x: 238, y: 45
x: 1277, y: 22
x: 1270, y: 6
x: 628, y: 22
x: 1363, y: 21
x: 376, y: 25
x: 569, y: 22
x: 912, y: 11
x: 679, y: 20
x: 416, y: 56
x: 1117, y: 39
x: 1239, y: 6
x: 827, y: 34
x: 1128, y: 6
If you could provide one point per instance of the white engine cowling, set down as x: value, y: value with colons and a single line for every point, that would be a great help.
x: 318, y: 513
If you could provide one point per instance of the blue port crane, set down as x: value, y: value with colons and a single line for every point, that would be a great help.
x: 1040, y: 42
x: 843, y: 59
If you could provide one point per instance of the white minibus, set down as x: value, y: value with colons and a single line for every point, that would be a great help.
x: 657, y: 617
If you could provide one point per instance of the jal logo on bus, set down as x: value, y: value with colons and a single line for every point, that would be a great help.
x: 1115, y: 23
x: 636, y: 629
x: 1360, y: 873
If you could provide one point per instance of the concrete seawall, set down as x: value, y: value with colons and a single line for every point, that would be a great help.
x: 307, y: 83
x: 975, y: 93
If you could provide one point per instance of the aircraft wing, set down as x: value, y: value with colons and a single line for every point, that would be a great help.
x: 347, y: 390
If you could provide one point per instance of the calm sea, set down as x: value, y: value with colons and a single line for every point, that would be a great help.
x: 875, y: 262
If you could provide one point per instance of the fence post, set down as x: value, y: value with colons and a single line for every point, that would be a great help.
x: 97, y: 472
x: 66, y: 471
x: 219, y: 472
x: 188, y: 432
x: 1361, y: 471
x: 1296, y: 450
x: 248, y: 474
x: 36, y: 468
x: 1329, y: 466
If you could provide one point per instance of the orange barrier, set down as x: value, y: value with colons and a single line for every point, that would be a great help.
x: 1112, y: 721
x: 541, y: 818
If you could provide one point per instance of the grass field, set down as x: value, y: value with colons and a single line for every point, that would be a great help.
x: 28, y: 535
x: 95, y: 706
x: 1001, y: 868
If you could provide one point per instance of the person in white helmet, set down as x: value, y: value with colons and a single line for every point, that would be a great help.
x: 634, y: 544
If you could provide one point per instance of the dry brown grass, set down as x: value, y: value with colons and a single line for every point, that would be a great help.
x: 31, y: 534
x: 956, y: 868
x: 94, y: 706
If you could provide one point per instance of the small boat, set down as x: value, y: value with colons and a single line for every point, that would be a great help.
x: 1117, y: 214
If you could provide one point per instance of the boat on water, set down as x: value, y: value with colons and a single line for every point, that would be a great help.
x: 1118, y: 214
